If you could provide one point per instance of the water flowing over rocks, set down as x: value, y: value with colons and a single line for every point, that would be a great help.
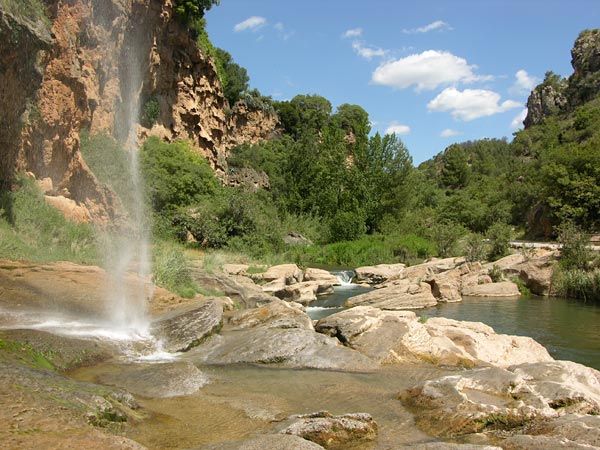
x: 333, y: 432
x: 158, y: 380
x: 544, y: 395
x: 182, y: 329
x: 399, y: 336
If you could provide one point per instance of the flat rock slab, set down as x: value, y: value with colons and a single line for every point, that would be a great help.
x: 333, y: 432
x: 276, y: 314
x: 292, y: 348
x: 183, y: 329
x: 501, y: 289
x: 379, y: 273
x: 290, y: 273
x: 401, y: 295
x: 268, y: 442
x: 162, y: 380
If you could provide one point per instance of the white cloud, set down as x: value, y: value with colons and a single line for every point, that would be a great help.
x: 426, y: 71
x: 449, y: 133
x: 279, y: 26
x: 438, y: 25
x: 353, y: 33
x: 524, y: 83
x: 367, y: 52
x: 397, y: 128
x: 470, y: 104
x: 251, y: 23
x: 517, y: 122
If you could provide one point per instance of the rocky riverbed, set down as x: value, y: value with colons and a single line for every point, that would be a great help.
x: 252, y: 370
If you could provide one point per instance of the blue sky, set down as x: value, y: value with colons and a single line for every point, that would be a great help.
x: 436, y: 72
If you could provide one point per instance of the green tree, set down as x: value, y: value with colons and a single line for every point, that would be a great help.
x: 234, y: 78
x: 455, y: 169
x: 191, y: 10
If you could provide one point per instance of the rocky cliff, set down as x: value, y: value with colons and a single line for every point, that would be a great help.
x: 80, y: 74
x: 556, y: 95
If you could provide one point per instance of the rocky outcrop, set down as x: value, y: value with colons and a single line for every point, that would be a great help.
x: 276, y: 314
x: 398, y: 295
x: 322, y: 276
x: 556, y: 95
x: 399, y: 336
x: 333, y: 432
x: 289, y: 273
x: 500, y: 289
x: 555, y: 398
x: 545, y: 100
x: 102, y: 63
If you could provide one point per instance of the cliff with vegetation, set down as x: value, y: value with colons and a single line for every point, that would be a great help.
x: 78, y: 77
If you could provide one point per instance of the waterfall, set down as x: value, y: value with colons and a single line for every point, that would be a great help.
x: 128, y: 256
x: 345, y: 277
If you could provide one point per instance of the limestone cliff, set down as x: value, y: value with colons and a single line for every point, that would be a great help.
x: 80, y: 76
x: 556, y: 95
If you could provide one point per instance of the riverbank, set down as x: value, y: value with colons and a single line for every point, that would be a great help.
x: 253, y: 362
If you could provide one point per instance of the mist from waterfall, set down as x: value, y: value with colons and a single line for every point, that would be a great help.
x: 128, y: 256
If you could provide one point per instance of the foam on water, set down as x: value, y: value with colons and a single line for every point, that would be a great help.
x: 345, y: 277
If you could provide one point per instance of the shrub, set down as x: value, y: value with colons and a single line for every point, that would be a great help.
x: 346, y: 226
x: 574, y: 253
x: 499, y: 235
x: 475, y: 247
x: 175, y: 175
x: 32, y: 230
x: 496, y: 274
x: 171, y: 270
x: 446, y: 237
x: 578, y: 284
x: 150, y: 112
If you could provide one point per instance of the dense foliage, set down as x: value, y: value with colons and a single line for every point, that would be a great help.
x: 191, y: 10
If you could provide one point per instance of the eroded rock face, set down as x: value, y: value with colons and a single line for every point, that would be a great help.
x: 182, y: 329
x: 505, y: 399
x: 334, y: 432
x: 500, y: 289
x: 398, y: 295
x: 84, y: 79
x: 399, y: 336
x: 544, y: 101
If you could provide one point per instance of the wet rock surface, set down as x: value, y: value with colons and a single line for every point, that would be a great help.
x: 542, y: 396
x: 276, y: 314
x: 182, y: 329
x: 161, y: 380
x: 333, y: 432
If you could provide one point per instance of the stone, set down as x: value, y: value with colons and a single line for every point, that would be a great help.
x: 182, y: 329
x: 537, y: 273
x: 501, y: 289
x: 305, y: 292
x: 379, y: 273
x: 284, y: 347
x: 431, y: 267
x: 235, y: 269
x: 334, y: 432
x: 69, y: 208
x: 165, y: 380
x: 294, y: 238
x: 397, y: 296
x: 322, y: 276
x: 399, y: 336
x: 268, y: 441
x: 504, y: 399
x: 276, y: 314
x: 290, y: 273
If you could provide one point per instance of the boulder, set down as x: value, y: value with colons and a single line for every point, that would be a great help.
x: 284, y: 347
x: 305, y: 292
x: 334, y: 432
x: 291, y: 273
x: 235, y: 269
x: 399, y: 295
x: 379, y: 273
x: 430, y: 267
x: 537, y: 273
x: 322, y: 276
x: 500, y: 289
x: 277, y: 314
x: 399, y: 336
x: 274, y: 286
x: 503, y: 400
x: 182, y: 329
